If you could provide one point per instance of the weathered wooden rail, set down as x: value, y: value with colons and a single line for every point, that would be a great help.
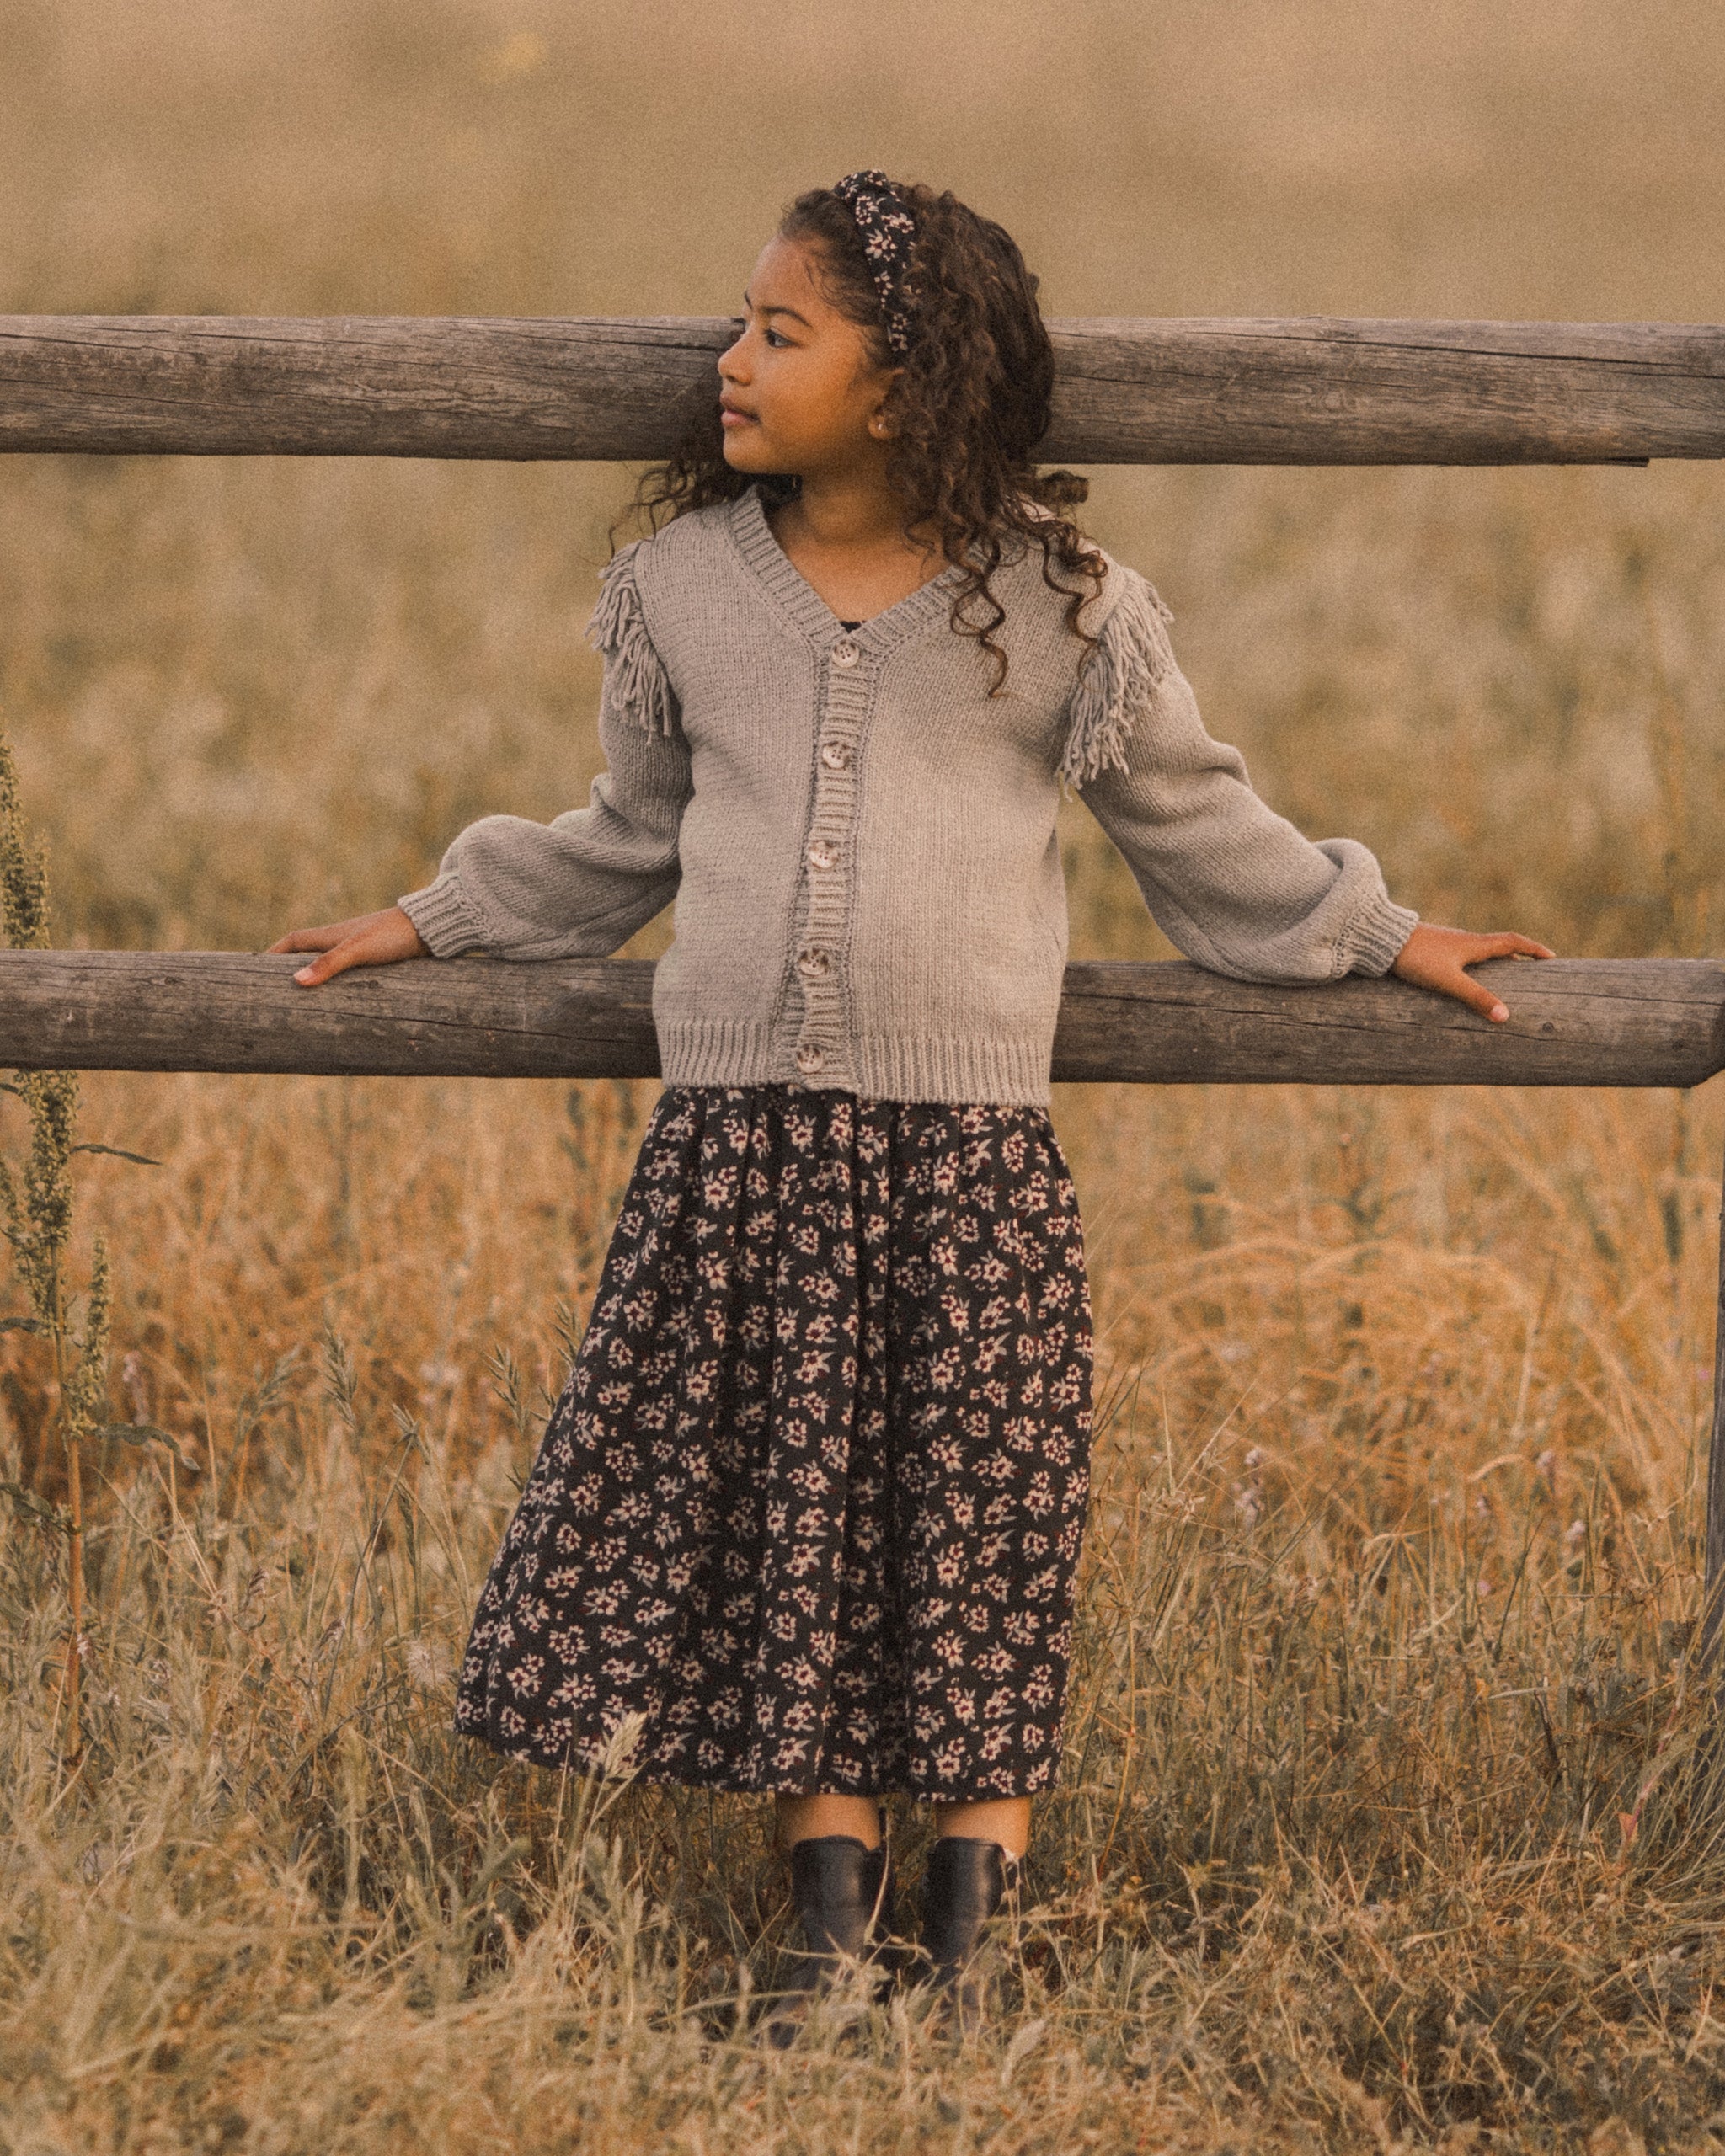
x: 1314, y: 390
x: 1573, y: 1021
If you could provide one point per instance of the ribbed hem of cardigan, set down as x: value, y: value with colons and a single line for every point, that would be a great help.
x: 716, y: 1052
x: 878, y: 1066
x: 1374, y: 941
x: 924, y: 1067
x: 445, y: 917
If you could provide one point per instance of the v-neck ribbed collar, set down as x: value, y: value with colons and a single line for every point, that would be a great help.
x: 804, y: 605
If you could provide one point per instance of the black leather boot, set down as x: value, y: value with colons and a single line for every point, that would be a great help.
x: 964, y: 1883
x: 843, y: 1895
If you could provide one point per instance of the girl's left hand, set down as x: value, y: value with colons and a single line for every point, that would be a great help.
x: 1434, y: 957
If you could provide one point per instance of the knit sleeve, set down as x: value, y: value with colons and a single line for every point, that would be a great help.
x: 580, y: 885
x: 1230, y: 884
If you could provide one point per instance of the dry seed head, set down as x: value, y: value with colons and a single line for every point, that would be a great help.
x: 38, y: 1217
x: 23, y: 866
x: 89, y: 1388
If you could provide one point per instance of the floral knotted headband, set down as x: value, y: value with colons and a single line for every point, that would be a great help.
x: 888, y: 230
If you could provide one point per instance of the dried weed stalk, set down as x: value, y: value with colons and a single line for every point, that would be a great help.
x: 36, y: 1204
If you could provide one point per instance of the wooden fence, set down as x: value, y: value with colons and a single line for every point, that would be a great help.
x: 1312, y: 390
x: 1573, y: 1021
x: 1309, y: 391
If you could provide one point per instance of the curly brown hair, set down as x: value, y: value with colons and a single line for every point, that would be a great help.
x: 971, y: 402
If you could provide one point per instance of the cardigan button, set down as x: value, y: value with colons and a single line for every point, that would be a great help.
x: 845, y: 653
x: 813, y: 965
x: 810, y: 1058
x: 821, y: 854
x: 836, y: 756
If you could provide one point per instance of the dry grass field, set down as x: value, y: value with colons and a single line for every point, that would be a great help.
x: 1388, y: 1818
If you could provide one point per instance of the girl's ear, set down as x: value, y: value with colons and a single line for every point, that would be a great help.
x: 879, y: 425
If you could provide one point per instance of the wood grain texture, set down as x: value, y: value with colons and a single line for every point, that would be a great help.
x: 1306, y: 390
x: 1573, y: 1021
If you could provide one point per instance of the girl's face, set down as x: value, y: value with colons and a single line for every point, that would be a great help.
x: 801, y: 392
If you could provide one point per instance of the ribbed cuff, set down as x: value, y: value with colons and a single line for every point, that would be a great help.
x: 445, y: 918
x: 1377, y: 938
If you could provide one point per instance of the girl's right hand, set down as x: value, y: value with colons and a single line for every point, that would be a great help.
x: 370, y: 939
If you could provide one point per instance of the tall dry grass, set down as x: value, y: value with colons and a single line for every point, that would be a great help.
x: 1386, y: 1814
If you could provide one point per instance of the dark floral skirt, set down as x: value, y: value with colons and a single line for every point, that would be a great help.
x: 811, y: 1501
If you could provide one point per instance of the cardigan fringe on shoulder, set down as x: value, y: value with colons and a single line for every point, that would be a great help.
x: 861, y: 840
x: 1118, y: 675
x: 635, y: 679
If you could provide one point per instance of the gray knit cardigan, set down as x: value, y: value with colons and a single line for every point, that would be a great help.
x: 860, y: 841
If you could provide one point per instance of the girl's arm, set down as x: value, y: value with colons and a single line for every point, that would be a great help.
x: 577, y: 887
x: 1230, y: 884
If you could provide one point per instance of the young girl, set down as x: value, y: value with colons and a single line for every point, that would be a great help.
x: 811, y: 1502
